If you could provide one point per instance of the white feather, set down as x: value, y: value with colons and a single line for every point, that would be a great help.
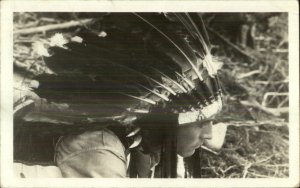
x: 212, y: 66
x: 58, y: 40
x: 77, y: 39
x: 39, y: 48
x: 137, y: 140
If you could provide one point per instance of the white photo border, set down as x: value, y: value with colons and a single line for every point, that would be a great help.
x: 7, y: 9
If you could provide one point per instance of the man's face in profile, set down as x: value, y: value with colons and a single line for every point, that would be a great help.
x: 191, y: 137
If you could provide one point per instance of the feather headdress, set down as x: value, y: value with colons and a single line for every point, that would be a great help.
x: 143, y: 61
x: 138, y: 64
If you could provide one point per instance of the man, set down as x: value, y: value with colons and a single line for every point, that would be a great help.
x: 102, y: 154
x: 146, y: 86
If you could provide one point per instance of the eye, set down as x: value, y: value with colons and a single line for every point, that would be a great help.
x: 206, y: 122
x: 206, y: 132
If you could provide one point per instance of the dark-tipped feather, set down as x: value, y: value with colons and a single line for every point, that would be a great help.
x: 192, y: 64
x: 148, y: 50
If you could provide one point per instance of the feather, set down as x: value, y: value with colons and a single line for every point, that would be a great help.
x: 200, y: 48
x: 139, y: 111
x: 176, y: 83
x: 136, y: 141
x: 23, y: 107
x: 134, y: 63
x: 164, y: 86
x: 156, y: 93
x: 143, y: 99
x: 196, y: 29
x: 186, y: 80
x: 199, y: 24
x: 138, y: 66
x: 58, y: 40
x: 174, y: 44
x: 134, y: 132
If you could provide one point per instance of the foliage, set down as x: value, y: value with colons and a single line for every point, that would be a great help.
x: 259, y: 148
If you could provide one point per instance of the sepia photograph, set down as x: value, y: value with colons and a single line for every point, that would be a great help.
x: 145, y: 95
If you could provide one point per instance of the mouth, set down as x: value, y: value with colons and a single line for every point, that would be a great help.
x: 200, y: 143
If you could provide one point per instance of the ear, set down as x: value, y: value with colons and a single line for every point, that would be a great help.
x: 218, y: 137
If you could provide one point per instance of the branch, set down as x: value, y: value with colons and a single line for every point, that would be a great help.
x: 271, y: 82
x: 22, y: 66
x: 260, y: 175
x: 274, y: 94
x: 248, y: 74
x: 53, y: 27
x: 259, y: 123
x: 272, y: 111
x: 232, y: 45
x: 245, y: 172
x: 280, y: 51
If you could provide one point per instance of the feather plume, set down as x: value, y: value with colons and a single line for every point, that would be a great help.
x: 175, y: 45
x: 137, y: 61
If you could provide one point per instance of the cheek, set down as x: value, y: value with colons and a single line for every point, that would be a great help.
x: 188, y: 134
x: 188, y: 139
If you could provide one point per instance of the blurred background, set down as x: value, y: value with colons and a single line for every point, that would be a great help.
x: 254, y: 50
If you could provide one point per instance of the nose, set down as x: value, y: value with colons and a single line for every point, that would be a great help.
x: 206, y: 132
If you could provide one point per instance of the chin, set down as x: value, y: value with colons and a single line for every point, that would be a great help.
x: 186, y: 153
